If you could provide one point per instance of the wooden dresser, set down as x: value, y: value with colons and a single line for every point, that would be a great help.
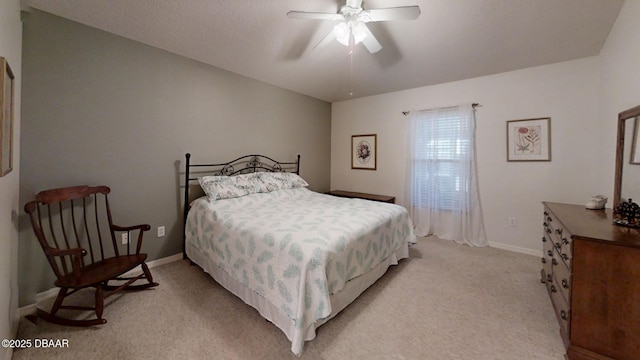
x: 591, y: 269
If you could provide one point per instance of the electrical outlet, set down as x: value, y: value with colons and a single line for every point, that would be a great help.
x: 513, y: 222
x: 160, y: 231
x: 125, y: 238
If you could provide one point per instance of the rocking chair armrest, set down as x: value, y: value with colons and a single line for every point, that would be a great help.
x: 142, y: 227
x: 76, y: 252
x: 76, y: 257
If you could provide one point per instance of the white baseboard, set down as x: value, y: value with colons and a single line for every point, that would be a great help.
x: 51, y: 293
x: 518, y: 249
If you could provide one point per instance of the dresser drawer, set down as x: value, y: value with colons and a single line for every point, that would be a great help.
x: 556, y: 268
x: 562, y: 277
x: 561, y: 307
x: 559, y: 236
x: 547, y: 259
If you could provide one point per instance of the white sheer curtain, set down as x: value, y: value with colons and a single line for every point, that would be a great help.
x: 442, y: 176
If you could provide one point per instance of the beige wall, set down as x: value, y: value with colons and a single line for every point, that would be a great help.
x: 10, y: 49
x: 101, y: 109
x: 620, y: 59
x: 567, y: 92
x: 582, y: 97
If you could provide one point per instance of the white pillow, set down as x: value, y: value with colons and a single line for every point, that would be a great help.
x: 281, y: 180
x: 227, y: 187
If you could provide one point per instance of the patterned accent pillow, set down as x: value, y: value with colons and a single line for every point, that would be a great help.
x: 270, y: 181
x: 281, y: 180
x: 227, y: 187
x: 252, y: 178
x: 293, y: 181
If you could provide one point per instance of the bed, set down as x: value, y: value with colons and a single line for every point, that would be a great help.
x: 297, y: 256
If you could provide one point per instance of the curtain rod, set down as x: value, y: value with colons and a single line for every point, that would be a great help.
x: 475, y: 105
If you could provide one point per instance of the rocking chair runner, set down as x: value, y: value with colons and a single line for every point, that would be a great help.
x: 76, y: 232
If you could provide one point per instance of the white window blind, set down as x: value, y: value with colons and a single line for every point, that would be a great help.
x: 441, y: 150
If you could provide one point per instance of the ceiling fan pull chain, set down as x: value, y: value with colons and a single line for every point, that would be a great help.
x: 351, y: 46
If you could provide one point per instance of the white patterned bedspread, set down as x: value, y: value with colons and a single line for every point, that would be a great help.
x: 296, y: 247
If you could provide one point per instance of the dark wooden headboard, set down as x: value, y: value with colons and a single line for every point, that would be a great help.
x: 242, y: 165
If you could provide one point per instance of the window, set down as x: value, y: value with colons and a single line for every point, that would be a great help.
x: 442, y: 181
x: 441, y: 147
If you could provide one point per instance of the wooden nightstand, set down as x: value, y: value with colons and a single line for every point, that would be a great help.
x: 374, y: 197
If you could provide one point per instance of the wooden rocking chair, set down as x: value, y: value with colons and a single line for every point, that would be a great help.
x: 76, y: 232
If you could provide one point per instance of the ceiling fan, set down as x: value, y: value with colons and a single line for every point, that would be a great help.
x: 352, y: 23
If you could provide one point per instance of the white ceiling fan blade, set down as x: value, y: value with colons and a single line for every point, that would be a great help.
x: 313, y: 15
x: 354, y: 3
x: 326, y: 41
x: 369, y: 41
x: 398, y: 13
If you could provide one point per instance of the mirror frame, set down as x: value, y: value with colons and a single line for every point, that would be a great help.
x: 622, y: 118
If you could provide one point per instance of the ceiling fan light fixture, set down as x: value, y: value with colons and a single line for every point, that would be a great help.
x: 359, y: 33
x: 342, y: 33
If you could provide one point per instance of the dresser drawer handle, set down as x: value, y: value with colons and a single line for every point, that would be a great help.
x: 554, y: 261
x: 563, y: 315
x: 550, y: 253
x: 565, y: 283
x: 544, y: 239
x: 553, y: 289
x: 548, y: 277
x: 565, y: 256
x: 565, y: 241
x: 557, y: 245
x: 544, y: 260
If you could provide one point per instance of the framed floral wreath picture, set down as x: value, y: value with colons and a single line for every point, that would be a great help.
x: 364, y: 152
x: 529, y: 140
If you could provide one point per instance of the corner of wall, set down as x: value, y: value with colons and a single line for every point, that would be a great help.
x: 11, y: 49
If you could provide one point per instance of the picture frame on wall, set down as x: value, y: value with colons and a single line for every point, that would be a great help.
x: 7, y: 89
x: 364, y: 154
x: 529, y: 139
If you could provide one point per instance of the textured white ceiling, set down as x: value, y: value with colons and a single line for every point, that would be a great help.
x: 451, y: 40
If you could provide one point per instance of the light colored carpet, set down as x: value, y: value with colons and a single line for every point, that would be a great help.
x: 447, y: 301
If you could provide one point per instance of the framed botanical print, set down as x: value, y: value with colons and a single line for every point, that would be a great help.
x: 529, y: 140
x: 364, y: 152
x: 6, y: 117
